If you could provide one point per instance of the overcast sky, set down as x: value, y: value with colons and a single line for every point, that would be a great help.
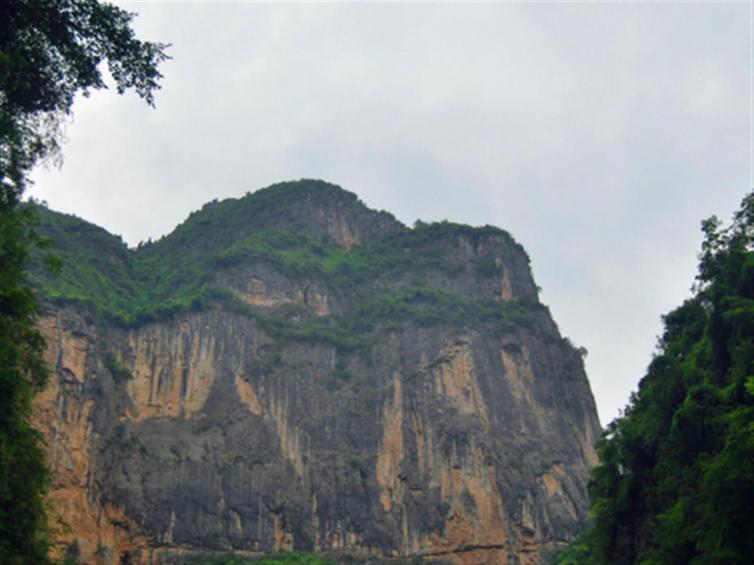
x: 599, y: 135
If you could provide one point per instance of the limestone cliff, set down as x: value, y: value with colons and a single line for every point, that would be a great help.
x: 292, y: 370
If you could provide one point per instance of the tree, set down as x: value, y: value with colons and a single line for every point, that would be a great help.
x: 50, y: 50
x: 675, y: 482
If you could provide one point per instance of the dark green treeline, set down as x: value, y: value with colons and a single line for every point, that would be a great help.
x: 675, y: 483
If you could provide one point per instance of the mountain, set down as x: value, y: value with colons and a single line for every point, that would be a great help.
x: 294, y: 371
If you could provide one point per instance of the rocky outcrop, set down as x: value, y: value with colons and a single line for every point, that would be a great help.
x: 447, y: 432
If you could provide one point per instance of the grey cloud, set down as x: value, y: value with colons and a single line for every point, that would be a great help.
x: 599, y: 135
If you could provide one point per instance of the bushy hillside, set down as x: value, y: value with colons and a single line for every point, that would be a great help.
x: 274, y: 227
x: 675, y: 483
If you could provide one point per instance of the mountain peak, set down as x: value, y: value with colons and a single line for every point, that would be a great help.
x: 304, y: 189
x: 309, y: 207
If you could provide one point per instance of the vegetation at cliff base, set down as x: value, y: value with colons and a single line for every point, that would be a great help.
x: 675, y: 482
x: 49, y: 52
x: 292, y: 558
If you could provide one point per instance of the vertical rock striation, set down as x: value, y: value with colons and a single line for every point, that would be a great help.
x: 334, y: 382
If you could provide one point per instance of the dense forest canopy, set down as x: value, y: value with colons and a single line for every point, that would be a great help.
x: 675, y: 483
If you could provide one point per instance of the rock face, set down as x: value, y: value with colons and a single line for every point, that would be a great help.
x: 350, y: 386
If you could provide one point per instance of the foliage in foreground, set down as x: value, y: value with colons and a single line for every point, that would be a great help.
x: 23, y: 473
x: 49, y: 51
x: 675, y: 483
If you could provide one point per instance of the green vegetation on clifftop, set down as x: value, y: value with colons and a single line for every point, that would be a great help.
x: 421, y: 306
x: 179, y: 273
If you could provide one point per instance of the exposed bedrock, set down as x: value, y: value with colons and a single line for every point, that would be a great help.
x: 459, y: 440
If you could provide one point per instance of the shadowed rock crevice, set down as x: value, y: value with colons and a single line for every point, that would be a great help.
x: 294, y: 371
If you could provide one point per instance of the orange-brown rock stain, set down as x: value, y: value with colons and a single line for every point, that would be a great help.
x: 276, y: 411
x: 455, y: 379
x: 291, y: 438
x: 475, y: 529
x: 247, y: 395
x: 552, y: 479
x: 476, y: 517
x: 519, y: 375
x: 391, y: 454
x: 553, y: 483
x: 256, y: 293
x: 506, y: 290
x: 283, y: 537
x: 313, y: 300
x: 420, y: 438
x: 103, y: 532
x: 342, y: 233
x: 588, y: 441
x: 172, y: 371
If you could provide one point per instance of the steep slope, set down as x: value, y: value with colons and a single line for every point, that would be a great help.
x: 292, y: 370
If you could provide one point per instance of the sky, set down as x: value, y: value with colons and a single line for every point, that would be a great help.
x: 599, y: 134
